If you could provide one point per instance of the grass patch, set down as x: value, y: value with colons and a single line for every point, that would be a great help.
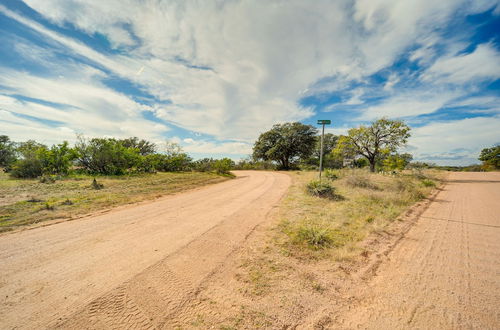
x: 314, y: 227
x: 320, y: 189
x: 29, y: 201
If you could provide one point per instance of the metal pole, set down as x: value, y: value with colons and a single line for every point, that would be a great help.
x: 321, y: 152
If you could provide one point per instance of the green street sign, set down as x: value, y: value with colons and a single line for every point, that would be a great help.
x: 324, y: 122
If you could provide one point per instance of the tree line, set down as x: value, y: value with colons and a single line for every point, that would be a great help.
x: 285, y: 146
x: 296, y: 145
x: 100, y: 156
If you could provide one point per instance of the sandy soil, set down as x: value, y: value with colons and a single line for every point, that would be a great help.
x: 132, y: 268
x: 445, y: 273
x: 436, y: 268
x: 205, y: 259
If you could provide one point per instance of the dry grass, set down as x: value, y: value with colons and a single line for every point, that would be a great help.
x: 313, y: 227
x: 25, y: 202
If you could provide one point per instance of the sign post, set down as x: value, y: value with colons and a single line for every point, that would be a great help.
x: 322, y: 122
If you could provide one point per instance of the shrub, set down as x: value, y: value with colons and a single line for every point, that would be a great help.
x: 223, y: 166
x: 320, y: 189
x: 48, y: 206
x: 203, y: 165
x: 106, y: 156
x: 428, y: 183
x: 27, y: 168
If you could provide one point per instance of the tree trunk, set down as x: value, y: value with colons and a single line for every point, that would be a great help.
x: 372, y: 165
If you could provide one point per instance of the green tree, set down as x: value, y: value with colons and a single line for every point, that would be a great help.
x: 106, y: 156
x: 223, y: 166
x: 491, y: 157
x: 329, y: 160
x: 29, y: 163
x: 7, y: 152
x: 286, y: 143
x: 145, y: 147
x: 57, y: 159
x: 396, y: 162
x: 373, y: 142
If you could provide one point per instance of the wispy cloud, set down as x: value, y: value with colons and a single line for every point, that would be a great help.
x: 230, y: 70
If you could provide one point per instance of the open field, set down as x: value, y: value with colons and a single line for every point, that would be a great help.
x: 28, y: 201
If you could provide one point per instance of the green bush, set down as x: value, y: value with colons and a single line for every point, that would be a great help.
x: 223, y: 166
x: 27, y: 168
x: 203, y: 165
x: 320, y: 189
x: 106, y: 156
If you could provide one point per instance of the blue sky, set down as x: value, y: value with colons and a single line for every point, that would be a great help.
x: 213, y: 75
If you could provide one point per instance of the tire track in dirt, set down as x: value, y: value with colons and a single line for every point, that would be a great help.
x: 444, y: 274
x: 193, y: 233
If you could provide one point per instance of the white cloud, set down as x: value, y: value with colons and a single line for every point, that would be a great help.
x: 233, y: 69
x: 85, y: 106
x: 409, y: 103
x: 262, y: 53
x: 221, y: 148
x: 464, y: 138
x: 482, y: 64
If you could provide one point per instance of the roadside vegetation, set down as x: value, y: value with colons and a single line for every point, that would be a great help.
x: 357, y: 203
x: 39, y: 183
x: 30, y: 201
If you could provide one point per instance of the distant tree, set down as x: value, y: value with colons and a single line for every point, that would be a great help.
x: 57, y: 159
x: 372, y: 142
x: 329, y: 159
x: 145, y: 147
x: 286, y: 143
x: 7, y: 151
x: 106, y: 156
x: 396, y: 161
x: 491, y: 157
x: 223, y: 166
x: 30, y: 160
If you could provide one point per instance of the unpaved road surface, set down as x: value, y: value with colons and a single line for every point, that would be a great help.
x: 136, y: 267
x: 445, y: 273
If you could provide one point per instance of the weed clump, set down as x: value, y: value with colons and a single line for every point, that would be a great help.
x: 331, y: 175
x: 313, y: 236
x: 48, y: 206
x: 96, y: 185
x: 320, y: 189
x: 428, y: 183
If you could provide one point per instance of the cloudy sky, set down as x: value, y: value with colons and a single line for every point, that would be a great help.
x: 213, y: 75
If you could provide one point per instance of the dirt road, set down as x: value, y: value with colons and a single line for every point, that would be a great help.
x: 445, y: 273
x: 134, y: 267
